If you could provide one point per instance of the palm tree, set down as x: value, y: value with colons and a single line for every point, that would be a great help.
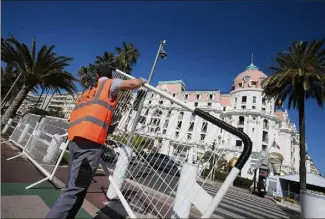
x: 35, y: 67
x: 106, y: 60
x: 298, y: 75
x: 126, y: 57
x: 87, y: 76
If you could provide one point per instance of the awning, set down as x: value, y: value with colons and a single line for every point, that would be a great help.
x: 312, y: 179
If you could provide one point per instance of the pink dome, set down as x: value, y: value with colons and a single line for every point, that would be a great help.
x: 252, y: 77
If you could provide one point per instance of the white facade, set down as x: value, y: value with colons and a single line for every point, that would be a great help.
x: 244, y: 107
x: 64, y: 101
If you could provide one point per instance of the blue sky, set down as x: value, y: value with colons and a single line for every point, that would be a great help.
x: 208, y: 43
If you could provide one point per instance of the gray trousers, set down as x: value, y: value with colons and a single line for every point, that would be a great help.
x: 83, y: 162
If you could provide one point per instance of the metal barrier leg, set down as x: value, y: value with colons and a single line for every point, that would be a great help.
x: 5, y: 129
x: 23, y: 134
x: 182, y: 204
x: 19, y: 155
x: 120, y: 170
x: 34, y: 184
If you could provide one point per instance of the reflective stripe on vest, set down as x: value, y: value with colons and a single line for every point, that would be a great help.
x: 96, y: 101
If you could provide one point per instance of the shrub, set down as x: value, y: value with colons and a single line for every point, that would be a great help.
x: 65, y: 159
x: 221, y: 176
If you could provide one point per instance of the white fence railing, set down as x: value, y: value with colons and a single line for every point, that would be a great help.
x: 43, y: 140
x: 24, y: 129
x: 146, y: 178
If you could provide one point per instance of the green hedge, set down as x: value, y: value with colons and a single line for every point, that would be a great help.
x: 221, y: 176
x: 65, y: 159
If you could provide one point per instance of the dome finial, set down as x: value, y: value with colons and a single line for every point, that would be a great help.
x: 252, y: 66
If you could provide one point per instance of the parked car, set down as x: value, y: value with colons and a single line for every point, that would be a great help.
x: 163, y: 162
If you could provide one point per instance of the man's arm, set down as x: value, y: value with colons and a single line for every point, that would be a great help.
x: 132, y: 84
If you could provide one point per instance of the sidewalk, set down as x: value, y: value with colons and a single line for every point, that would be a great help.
x: 18, y: 202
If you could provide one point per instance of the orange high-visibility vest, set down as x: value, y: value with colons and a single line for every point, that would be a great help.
x: 92, y: 114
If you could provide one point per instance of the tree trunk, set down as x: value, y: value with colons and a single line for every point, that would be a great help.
x: 39, y: 98
x: 302, y: 166
x: 12, y: 110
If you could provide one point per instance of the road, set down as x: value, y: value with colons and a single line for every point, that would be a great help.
x: 235, y: 204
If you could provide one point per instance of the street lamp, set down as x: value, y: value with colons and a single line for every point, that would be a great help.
x: 142, y: 93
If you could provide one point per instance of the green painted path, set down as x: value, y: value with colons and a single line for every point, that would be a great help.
x: 46, y: 192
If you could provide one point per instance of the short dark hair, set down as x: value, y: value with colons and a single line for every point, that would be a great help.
x: 105, y: 71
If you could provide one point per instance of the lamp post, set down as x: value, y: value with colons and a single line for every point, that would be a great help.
x: 162, y: 54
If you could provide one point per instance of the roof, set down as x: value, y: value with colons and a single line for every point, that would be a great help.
x: 172, y: 82
x: 312, y: 179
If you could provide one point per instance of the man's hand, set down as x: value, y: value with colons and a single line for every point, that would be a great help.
x: 132, y: 84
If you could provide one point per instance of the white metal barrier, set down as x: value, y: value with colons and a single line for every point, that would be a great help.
x: 46, y: 146
x: 150, y: 171
x: 23, y: 130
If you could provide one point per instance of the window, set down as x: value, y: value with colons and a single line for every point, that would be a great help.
x: 243, y: 99
x: 264, y: 147
x: 157, y: 113
x: 179, y: 125
x: 265, y: 137
x: 186, y: 96
x: 254, y: 83
x: 243, y: 107
x: 174, y: 95
x: 191, y: 127
x: 169, y: 114
x: 240, y: 129
x: 161, y: 102
x: 224, y: 108
x: 263, y: 101
x: 211, y: 97
x: 253, y: 107
x: 193, y: 117
x: 241, y: 120
x: 204, y: 127
x: 235, y: 99
x: 166, y: 123
x: 131, y: 111
x: 147, y: 112
x: 253, y: 130
x: 181, y: 114
x: 149, y: 101
x: 142, y: 120
x: 152, y: 95
x: 254, y: 118
x: 198, y: 96
x: 265, y: 124
x: 164, y: 131
x: 196, y: 104
x: 240, y: 84
x: 238, y: 143
x: 202, y: 137
x: 176, y: 134
x: 189, y: 136
x: 263, y: 108
x: 254, y: 99
x: 209, y: 105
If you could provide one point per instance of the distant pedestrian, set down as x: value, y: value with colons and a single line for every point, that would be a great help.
x: 87, y: 133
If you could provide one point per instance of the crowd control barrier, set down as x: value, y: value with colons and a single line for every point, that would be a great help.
x: 153, y: 155
x: 44, y: 146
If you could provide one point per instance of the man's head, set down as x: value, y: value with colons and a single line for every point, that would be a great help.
x: 104, y: 71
